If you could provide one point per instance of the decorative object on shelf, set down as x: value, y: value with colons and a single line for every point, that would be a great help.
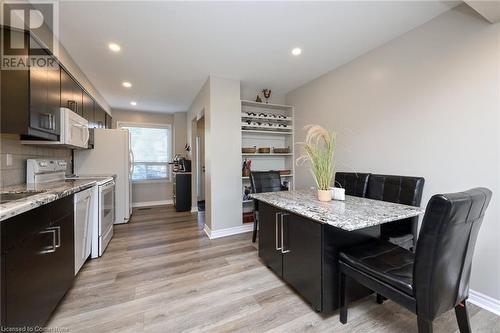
x: 264, y: 150
x: 338, y: 193
x: 267, y: 94
x: 258, y: 99
x: 319, y: 148
x: 286, y: 185
x: 247, y: 166
x: 285, y: 172
x: 281, y: 150
x: 246, y: 193
x: 248, y: 217
x: 249, y: 150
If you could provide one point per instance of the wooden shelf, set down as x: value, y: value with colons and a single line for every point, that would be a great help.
x: 267, y: 132
x: 266, y: 106
x: 244, y: 116
x: 280, y: 176
x: 264, y: 154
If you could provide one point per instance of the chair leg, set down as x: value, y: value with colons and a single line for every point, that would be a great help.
x: 463, y: 317
x: 254, y: 235
x: 342, y: 303
x: 380, y: 299
x: 424, y: 325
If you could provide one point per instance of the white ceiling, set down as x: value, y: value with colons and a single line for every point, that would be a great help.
x: 170, y: 48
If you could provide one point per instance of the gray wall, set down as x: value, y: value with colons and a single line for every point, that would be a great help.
x: 159, y: 190
x: 425, y: 104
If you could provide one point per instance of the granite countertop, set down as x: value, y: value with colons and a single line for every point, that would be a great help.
x: 51, y: 191
x: 352, y: 214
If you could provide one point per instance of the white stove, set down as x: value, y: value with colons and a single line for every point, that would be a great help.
x: 97, y: 205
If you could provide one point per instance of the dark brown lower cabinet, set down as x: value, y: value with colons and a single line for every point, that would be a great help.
x: 37, y: 263
x: 304, y: 253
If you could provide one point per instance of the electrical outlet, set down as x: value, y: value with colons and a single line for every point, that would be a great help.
x: 8, y: 159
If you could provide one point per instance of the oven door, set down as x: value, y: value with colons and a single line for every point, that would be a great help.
x: 106, y: 208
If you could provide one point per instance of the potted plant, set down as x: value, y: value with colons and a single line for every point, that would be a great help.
x: 318, y: 150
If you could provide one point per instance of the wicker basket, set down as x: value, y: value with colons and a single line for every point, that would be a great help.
x: 285, y: 172
x: 264, y: 150
x: 249, y: 150
x: 281, y: 150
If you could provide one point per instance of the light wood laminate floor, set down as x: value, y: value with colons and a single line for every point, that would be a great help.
x: 161, y: 273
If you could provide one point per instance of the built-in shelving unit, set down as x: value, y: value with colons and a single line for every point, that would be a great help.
x: 267, y: 126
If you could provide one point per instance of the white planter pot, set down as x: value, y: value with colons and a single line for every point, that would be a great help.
x: 338, y: 193
x: 324, y: 195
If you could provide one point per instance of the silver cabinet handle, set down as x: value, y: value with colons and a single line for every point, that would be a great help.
x: 282, y: 238
x: 58, y: 229
x: 277, y: 232
x: 53, y: 249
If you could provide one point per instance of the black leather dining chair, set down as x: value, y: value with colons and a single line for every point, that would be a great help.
x: 403, y: 190
x: 354, y: 183
x: 436, y: 278
x: 263, y: 181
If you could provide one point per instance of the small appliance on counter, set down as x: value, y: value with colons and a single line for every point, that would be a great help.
x: 180, y: 164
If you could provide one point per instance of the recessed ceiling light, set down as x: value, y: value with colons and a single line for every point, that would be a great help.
x: 133, y: 103
x: 296, y: 51
x: 127, y: 84
x: 114, y: 47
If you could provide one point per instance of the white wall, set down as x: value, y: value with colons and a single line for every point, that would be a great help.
x: 425, y: 104
x: 219, y: 102
x: 155, y: 191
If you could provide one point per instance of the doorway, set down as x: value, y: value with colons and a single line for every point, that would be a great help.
x: 200, y: 163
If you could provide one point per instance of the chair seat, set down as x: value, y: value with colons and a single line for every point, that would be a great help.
x: 384, y: 261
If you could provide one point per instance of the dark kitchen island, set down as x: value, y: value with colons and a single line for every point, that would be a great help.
x: 300, y: 239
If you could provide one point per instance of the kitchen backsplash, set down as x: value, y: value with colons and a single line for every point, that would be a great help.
x: 16, y: 173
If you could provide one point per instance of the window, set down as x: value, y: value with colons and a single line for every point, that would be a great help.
x: 150, y: 145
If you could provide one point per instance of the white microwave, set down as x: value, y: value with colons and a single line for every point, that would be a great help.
x: 74, y: 132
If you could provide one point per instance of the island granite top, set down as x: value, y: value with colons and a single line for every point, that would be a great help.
x: 352, y: 214
x: 51, y: 191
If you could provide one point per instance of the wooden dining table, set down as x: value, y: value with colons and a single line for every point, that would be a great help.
x: 301, y: 237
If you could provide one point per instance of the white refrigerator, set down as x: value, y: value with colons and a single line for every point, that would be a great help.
x: 111, y: 156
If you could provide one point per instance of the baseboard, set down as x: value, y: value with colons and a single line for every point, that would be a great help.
x: 485, y: 302
x: 152, y: 203
x: 212, y: 234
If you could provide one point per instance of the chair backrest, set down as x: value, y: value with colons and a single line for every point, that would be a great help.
x: 354, y: 183
x: 398, y: 189
x: 444, y: 250
x: 265, y: 181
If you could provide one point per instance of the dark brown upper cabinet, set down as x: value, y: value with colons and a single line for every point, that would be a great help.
x: 71, y: 93
x: 88, y: 109
x: 109, y: 123
x: 30, y: 97
x: 100, y: 116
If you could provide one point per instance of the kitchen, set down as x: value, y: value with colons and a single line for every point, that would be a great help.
x: 133, y: 184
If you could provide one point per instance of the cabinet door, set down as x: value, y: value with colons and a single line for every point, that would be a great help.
x: 302, y: 257
x: 64, y: 258
x: 269, y: 237
x: 28, y: 271
x: 108, y: 121
x: 71, y: 93
x: 88, y: 109
x: 44, y: 96
x: 100, y: 117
